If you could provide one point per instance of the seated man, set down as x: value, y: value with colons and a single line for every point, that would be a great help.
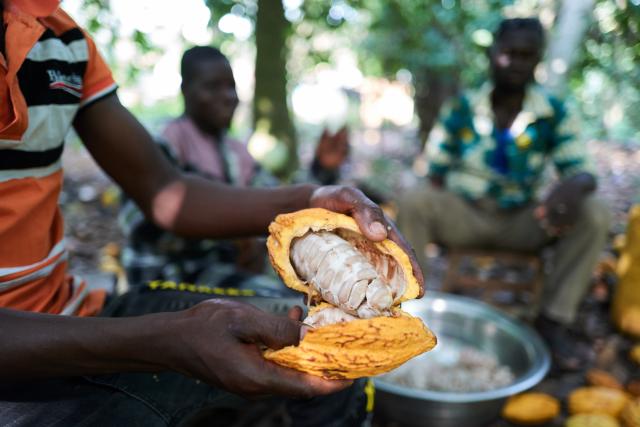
x: 197, y: 142
x: 151, y: 358
x: 491, y: 151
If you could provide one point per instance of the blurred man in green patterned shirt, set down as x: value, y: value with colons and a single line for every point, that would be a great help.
x: 486, y: 159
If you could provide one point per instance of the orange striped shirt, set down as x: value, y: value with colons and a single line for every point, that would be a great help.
x: 50, y: 71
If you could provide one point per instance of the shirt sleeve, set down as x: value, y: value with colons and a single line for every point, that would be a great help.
x: 569, y: 152
x: 260, y: 178
x: 173, y: 138
x: 441, y: 147
x: 252, y: 174
x: 98, y: 80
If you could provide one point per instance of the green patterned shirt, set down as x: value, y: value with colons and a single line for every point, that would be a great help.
x: 464, y: 147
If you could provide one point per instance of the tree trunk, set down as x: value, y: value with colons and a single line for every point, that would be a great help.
x: 270, y: 108
x: 432, y: 88
x: 573, y: 19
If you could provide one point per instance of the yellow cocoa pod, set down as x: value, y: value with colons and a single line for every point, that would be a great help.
x: 630, y: 415
x: 600, y: 378
x: 633, y: 388
x: 592, y: 420
x: 531, y: 408
x: 626, y: 299
x: 597, y: 400
x: 374, y: 340
x: 634, y: 353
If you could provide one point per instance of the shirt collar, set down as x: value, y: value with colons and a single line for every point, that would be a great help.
x: 34, y: 8
x: 535, y: 106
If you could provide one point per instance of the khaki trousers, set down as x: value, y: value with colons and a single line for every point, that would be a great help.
x: 430, y: 215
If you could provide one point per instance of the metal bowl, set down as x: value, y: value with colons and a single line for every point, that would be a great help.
x: 457, y: 320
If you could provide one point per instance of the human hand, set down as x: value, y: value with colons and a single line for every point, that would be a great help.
x: 372, y: 222
x: 220, y: 342
x: 437, y: 181
x: 332, y: 150
x: 559, y: 211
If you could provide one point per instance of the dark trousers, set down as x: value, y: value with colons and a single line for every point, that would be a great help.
x: 167, y: 399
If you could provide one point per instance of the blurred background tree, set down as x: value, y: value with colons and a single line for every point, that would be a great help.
x: 568, y: 33
x: 270, y: 107
x: 101, y: 19
x: 606, y: 77
x: 436, y: 46
x: 441, y: 43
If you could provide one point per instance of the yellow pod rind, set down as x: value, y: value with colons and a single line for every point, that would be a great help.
x: 287, y: 227
x: 625, y: 308
x: 597, y: 400
x: 630, y: 415
x: 531, y: 408
x: 592, y: 420
x: 360, y: 348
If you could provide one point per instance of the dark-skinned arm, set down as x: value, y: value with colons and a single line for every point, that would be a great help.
x: 193, y: 206
x: 216, y: 341
x: 175, y: 201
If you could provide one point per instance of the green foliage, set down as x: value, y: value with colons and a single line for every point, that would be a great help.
x: 607, y: 76
x: 433, y: 39
x: 443, y: 37
x: 219, y: 8
x: 96, y: 10
x: 312, y: 19
x: 100, y: 19
x: 155, y: 116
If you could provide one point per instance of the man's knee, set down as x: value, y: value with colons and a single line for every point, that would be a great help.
x: 595, y: 216
x: 421, y: 199
x: 412, y: 199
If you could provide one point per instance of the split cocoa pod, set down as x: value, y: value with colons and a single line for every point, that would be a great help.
x: 355, y: 287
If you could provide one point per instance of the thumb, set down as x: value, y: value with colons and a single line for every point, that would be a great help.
x: 351, y: 201
x: 295, y: 313
x: 371, y: 221
x: 273, y: 331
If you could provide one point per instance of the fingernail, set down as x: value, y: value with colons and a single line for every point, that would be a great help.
x: 378, y: 228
